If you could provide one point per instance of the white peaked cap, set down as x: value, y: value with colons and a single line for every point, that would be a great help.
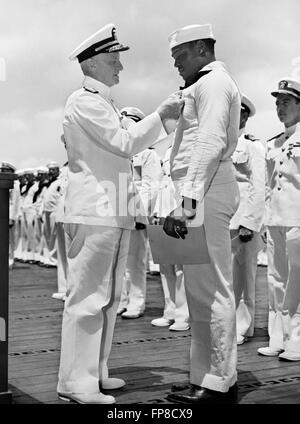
x: 288, y: 86
x: 103, y: 41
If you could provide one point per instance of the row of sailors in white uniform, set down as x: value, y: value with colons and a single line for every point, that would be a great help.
x: 36, y: 212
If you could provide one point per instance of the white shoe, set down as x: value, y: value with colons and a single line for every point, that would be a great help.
x: 241, y: 339
x: 268, y: 351
x: 162, y: 322
x: 179, y: 326
x: 59, y: 296
x: 89, y: 398
x: 289, y: 356
x: 112, y: 383
x: 132, y: 314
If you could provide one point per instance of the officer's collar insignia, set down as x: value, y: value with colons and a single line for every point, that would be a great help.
x: 282, y: 85
x: 91, y: 90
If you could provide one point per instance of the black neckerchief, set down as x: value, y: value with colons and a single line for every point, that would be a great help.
x: 194, y: 79
x: 28, y: 186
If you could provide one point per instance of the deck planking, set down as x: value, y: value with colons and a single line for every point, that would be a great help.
x: 149, y: 358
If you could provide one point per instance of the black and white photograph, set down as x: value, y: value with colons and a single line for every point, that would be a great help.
x: 149, y: 205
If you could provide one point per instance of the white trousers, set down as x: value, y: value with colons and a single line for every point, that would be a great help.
x: 28, y: 243
x: 49, y: 230
x: 96, y: 264
x: 172, y: 279
x: 62, y: 262
x: 244, y: 262
x: 210, y: 296
x: 12, y: 239
x: 18, y: 239
x: 39, y: 241
x: 134, y: 286
x: 283, y: 248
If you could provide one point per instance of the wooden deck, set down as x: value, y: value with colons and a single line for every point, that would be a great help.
x: 149, y: 358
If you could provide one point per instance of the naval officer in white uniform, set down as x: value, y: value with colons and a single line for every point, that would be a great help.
x: 98, y: 215
x: 283, y: 227
x: 249, y: 162
x: 202, y: 171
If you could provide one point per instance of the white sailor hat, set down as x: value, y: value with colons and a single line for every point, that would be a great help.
x: 288, y: 86
x: 103, y: 41
x: 20, y: 172
x: 42, y: 170
x: 28, y: 171
x: 248, y: 106
x: 190, y: 33
x: 7, y: 165
x: 133, y: 113
x: 52, y: 165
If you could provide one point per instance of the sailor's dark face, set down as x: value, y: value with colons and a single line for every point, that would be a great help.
x: 186, y: 60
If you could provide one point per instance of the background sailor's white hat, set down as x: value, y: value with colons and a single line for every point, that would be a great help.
x: 190, y: 33
x: 28, y: 171
x: 42, y: 170
x: 288, y: 86
x: 20, y: 172
x: 248, y: 105
x: 133, y: 112
x: 52, y: 165
x: 103, y: 41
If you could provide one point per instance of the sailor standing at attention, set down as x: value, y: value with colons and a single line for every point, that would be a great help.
x: 204, y: 178
x: 97, y: 219
x: 283, y: 227
x: 245, y: 226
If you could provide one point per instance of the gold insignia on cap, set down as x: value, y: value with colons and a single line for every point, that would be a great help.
x: 282, y: 85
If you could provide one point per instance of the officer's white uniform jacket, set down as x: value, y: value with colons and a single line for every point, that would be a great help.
x: 99, y: 149
x: 199, y: 145
x: 283, y: 168
x: 249, y: 161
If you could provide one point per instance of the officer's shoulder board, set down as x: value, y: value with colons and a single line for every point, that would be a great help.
x: 91, y: 90
x: 276, y: 136
x: 250, y: 137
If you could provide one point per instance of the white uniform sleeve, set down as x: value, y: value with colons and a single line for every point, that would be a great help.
x: 255, y: 207
x: 99, y: 123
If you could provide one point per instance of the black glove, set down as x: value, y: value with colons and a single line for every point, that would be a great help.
x: 245, y: 234
x: 139, y: 226
x: 175, y: 228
